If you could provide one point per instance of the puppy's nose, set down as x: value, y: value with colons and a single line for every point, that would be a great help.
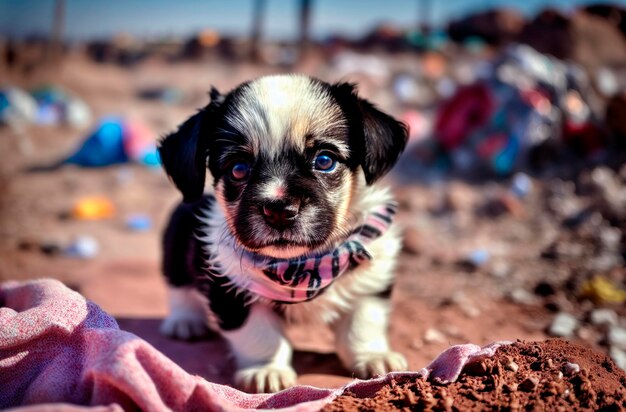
x: 280, y: 214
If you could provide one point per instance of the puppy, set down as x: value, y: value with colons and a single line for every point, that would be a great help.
x: 297, y: 228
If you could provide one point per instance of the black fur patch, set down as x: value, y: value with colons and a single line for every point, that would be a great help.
x: 185, y: 261
x: 376, y: 138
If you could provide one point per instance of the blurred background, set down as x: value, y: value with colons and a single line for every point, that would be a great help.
x: 512, y: 188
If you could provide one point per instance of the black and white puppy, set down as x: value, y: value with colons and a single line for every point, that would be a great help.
x: 296, y: 230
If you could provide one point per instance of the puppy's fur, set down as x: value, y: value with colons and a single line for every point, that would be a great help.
x: 277, y: 127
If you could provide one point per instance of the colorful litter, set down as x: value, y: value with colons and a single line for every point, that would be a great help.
x: 602, y: 291
x: 93, y: 208
x: 115, y: 141
x: 522, y: 101
x: 16, y: 106
x: 139, y: 223
x: 46, y: 105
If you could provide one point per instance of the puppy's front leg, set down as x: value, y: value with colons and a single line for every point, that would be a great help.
x: 262, y: 352
x: 361, y: 339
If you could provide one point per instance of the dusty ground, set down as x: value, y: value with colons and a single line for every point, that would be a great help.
x: 438, y: 301
x: 554, y: 375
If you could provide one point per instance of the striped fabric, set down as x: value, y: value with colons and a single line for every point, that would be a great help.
x: 303, y: 278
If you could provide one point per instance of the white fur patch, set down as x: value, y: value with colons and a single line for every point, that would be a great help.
x: 189, y: 315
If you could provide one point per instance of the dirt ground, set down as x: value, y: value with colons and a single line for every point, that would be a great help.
x: 439, y: 299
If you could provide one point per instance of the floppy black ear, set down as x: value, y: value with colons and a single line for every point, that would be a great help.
x: 383, y: 138
x: 184, y: 152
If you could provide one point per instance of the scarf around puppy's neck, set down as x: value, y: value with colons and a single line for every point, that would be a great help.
x: 302, y: 278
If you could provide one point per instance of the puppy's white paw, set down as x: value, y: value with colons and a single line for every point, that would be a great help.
x: 377, y: 363
x: 185, y: 325
x: 265, y: 378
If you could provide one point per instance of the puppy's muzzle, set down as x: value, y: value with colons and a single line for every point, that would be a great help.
x: 281, y: 214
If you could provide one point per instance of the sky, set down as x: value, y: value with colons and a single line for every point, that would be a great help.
x: 90, y: 19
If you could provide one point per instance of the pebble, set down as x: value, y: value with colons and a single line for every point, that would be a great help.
x: 571, y: 368
x: 434, y: 336
x: 616, y: 337
x: 604, y: 263
x: 619, y: 357
x: 563, y: 325
x: 603, y: 317
x: 500, y: 269
x: 611, y: 238
x: 529, y: 384
x: 522, y: 296
x: 512, y: 366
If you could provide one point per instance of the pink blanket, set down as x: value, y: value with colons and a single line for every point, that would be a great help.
x: 57, y: 348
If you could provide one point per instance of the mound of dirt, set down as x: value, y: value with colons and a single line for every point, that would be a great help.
x: 550, y: 375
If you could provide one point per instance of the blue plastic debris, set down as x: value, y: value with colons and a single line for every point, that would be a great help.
x: 139, y: 223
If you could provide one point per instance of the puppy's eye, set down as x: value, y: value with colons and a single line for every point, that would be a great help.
x: 240, y: 170
x: 325, y: 162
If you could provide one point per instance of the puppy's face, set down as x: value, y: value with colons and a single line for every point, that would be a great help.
x: 287, y: 154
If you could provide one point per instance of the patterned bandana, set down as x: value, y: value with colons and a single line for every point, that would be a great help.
x: 303, y: 278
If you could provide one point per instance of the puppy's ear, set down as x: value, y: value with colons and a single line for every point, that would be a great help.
x: 184, y: 152
x: 383, y: 137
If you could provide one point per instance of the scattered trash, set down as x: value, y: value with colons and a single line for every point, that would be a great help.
x: 563, y: 325
x: 521, y: 103
x: 83, y: 247
x: 16, y: 106
x: 521, y: 185
x: 117, y: 141
x: 475, y: 259
x: 169, y: 95
x: 55, y: 106
x: 49, y: 246
x: 603, y: 317
x: 522, y: 296
x: 619, y: 357
x: 602, y: 291
x: 616, y: 337
x: 139, y: 223
x: 93, y: 208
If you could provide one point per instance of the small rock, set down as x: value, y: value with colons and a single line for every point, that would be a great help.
x: 500, y: 269
x: 616, y: 337
x: 563, y: 325
x: 434, y: 336
x: 529, y: 384
x: 511, y: 366
x: 470, y: 310
x: 571, y: 369
x: 619, y: 357
x: 611, y: 238
x: 523, y: 297
x: 604, y: 263
x: 603, y: 317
